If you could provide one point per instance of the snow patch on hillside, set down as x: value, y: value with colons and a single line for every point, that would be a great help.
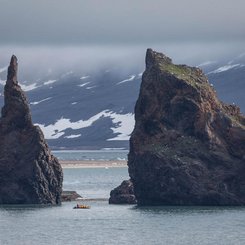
x: 84, y: 77
x: 91, y: 87
x: 132, y: 77
x: 49, y: 82
x: 124, y: 125
x: 83, y: 84
x: 38, y: 102
x: 224, y: 68
x: 72, y: 136
x: 28, y: 87
x: 22, y: 85
x: 206, y: 63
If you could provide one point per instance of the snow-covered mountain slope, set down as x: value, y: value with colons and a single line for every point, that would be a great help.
x: 94, y: 110
x: 85, y: 111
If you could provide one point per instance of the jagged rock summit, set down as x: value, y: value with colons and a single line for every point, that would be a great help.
x: 187, y: 147
x: 29, y: 174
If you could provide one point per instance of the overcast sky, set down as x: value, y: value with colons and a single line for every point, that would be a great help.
x: 175, y: 26
x: 127, y: 21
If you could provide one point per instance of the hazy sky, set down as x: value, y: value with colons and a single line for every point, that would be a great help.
x: 182, y: 28
x: 124, y: 22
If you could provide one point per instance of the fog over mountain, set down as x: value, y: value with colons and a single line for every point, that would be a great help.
x: 37, y: 60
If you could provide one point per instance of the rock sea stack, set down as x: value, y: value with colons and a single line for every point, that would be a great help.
x: 187, y: 147
x: 29, y: 174
x: 123, y: 194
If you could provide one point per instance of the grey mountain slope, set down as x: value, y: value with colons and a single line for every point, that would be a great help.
x: 228, y: 78
x: 230, y: 86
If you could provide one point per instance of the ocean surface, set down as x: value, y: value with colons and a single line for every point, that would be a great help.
x: 117, y: 224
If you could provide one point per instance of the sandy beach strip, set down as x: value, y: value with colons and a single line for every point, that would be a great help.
x: 93, y: 164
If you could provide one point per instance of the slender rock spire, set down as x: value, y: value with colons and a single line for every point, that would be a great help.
x: 16, y: 111
x: 13, y: 69
x: 29, y: 174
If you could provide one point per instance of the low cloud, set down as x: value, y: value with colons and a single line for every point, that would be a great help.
x: 37, y: 61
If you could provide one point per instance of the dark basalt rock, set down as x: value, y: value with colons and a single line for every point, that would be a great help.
x: 68, y: 196
x: 123, y: 194
x: 187, y: 147
x: 29, y: 174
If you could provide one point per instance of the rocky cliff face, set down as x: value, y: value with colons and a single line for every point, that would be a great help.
x: 187, y: 147
x: 29, y: 174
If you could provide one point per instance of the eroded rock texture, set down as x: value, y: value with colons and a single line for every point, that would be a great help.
x: 187, y: 147
x: 123, y: 194
x: 29, y: 174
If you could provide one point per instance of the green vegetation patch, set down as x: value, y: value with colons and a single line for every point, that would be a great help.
x: 188, y: 74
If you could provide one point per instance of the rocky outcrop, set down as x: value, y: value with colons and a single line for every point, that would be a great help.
x: 29, y: 174
x: 187, y: 147
x: 123, y: 194
x: 68, y: 196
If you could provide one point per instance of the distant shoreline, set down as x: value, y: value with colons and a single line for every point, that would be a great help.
x: 93, y: 164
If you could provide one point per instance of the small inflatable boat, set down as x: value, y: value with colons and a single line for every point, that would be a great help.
x: 81, y: 206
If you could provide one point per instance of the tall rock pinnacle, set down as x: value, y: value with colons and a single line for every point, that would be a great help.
x: 29, y: 174
x: 187, y: 147
x: 16, y: 112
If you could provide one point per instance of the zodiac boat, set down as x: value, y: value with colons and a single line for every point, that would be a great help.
x: 81, y: 206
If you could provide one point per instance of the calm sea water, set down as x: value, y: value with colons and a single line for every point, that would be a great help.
x: 117, y: 224
x: 94, y: 182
